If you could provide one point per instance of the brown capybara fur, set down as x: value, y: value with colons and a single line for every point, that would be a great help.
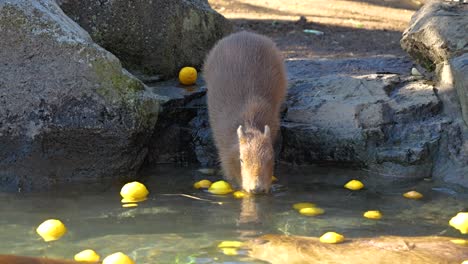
x: 11, y: 259
x: 246, y: 82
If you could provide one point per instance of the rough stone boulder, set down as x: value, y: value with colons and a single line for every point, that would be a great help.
x: 386, y: 249
x: 182, y: 134
x: 68, y: 111
x: 385, y: 123
x: 437, y: 39
x: 155, y: 37
x: 437, y: 33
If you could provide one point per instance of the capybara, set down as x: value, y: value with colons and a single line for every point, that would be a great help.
x: 11, y: 259
x: 246, y: 83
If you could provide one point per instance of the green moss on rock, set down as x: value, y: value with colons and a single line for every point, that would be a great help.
x: 115, y: 84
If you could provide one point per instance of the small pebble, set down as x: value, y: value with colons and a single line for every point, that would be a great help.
x: 415, y: 72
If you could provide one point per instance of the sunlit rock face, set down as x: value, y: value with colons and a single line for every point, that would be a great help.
x: 436, y: 38
x: 151, y: 38
x: 69, y: 112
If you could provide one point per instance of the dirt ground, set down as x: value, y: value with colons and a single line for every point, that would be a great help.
x: 351, y: 28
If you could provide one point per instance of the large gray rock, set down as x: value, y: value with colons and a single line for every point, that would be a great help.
x: 379, y: 121
x: 437, y: 39
x: 155, y: 37
x: 437, y: 32
x: 68, y: 111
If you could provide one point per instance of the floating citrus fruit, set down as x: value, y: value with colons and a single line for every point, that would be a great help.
x: 230, y: 251
x: 51, y: 230
x: 205, y: 184
x: 413, y: 195
x: 118, y: 258
x: 87, y: 255
x: 331, y: 238
x: 188, y: 75
x: 461, y: 242
x: 133, y: 192
x: 220, y: 187
x: 299, y: 206
x: 311, y: 211
x: 230, y: 244
x: 239, y: 194
x: 373, y: 214
x: 354, y: 185
x: 460, y: 222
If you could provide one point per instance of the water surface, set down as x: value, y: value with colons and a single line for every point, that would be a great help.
x: 170, y: 228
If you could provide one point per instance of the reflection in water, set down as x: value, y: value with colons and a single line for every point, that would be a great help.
x: 249, y: 218
x: 249, y: 211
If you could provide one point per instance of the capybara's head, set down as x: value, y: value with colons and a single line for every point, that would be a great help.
x: 256, y: 159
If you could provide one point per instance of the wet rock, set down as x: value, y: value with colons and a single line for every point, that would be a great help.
x: 68, y: 111
x: 182, y: 134
x: 386, y: 249
x: 151, y: 37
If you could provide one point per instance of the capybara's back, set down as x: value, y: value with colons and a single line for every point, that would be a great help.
x: 246, y: 84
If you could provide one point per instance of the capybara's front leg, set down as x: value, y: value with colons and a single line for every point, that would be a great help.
x: 231, y: 168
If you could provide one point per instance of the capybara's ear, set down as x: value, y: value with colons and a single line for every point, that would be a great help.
x: 267, y: 131
x: 241, y: 135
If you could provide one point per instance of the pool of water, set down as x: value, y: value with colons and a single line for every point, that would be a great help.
x: 170, y: 228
